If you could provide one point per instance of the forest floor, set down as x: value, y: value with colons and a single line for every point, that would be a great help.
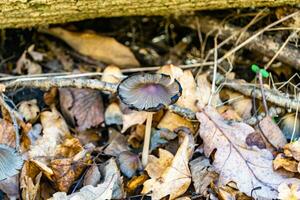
x: 78, y: 99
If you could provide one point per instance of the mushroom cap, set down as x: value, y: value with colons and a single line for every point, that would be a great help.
x: 10, y: 162
x: 148, y: 91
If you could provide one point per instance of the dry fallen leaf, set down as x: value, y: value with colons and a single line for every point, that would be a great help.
x: 98, y: 47
x: 129, y: 163
x: 286, y: 163
x: 117, y: 143
x: 202, y: 175
x: 229, y: 140
x: 30, y: 181
x: 272, y: 132
x: 11, y: 187
x: 173, y: 179
x: 204, y: 92
x: 293, y: 150
x: 66, y: 171
x: 136, y: 136
x: 55, y: 130
x: 173, y: 121
x: 7, y: 133
x: 188, y: 98
x: 82, y: 108
x: 228, y: 113
x: 100, y: 192
x: 92, y: 177
x: 133, y: 118
x: 110, y: 171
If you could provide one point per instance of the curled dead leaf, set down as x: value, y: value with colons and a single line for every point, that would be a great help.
x: 174, y: 177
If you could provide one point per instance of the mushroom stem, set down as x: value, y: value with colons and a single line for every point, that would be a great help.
x: 147, y: 139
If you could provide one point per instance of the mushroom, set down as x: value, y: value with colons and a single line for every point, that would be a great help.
x: 148, y: 92
x: 10, y: 161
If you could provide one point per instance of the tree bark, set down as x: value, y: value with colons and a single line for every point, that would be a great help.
x: 28, y: 13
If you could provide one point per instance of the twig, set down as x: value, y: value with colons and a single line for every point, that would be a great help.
x: 213, y: 85
x: 261, y: 85
x: 272, y: 96
x: 280, y: 49
x: 47, y: 83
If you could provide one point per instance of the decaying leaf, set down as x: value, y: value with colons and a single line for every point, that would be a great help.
x: 101, y: 191
x: 30, y: 187
x: 30, y: 181
x: 11, y: 187
x: 132, y: 118
x: 293, y: 150
x: 136, y: 136
x: 202, y: 174
x: 172, y: 121
x: 82, y: 108
x: 66, y: 171
x: 7, y: 133
x: 117, y: 144
x: 98, y: 47
x: 111, y: 172
x: 287, y: 163
x: 272, y: 132
x: 29, y: 110
x: 188, y: 97
x: 55, y: 130
x: 174, y: 177
x: 229, y: 140
x: 129, y: 163
x: 204, y: 92
x: 160, y: 137
x: 92, y: 176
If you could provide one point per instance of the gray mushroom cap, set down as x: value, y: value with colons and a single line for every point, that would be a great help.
x: 149, y: 92
x: 10, y: 162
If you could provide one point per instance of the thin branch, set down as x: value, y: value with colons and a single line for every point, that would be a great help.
x: 272, y: 96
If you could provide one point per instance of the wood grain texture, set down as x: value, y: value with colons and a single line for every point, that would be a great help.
x: 28, y: 13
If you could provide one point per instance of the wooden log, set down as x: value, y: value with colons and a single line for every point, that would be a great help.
x: 28, y: 13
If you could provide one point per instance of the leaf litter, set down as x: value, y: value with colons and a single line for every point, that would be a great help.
x: 79, y: 143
